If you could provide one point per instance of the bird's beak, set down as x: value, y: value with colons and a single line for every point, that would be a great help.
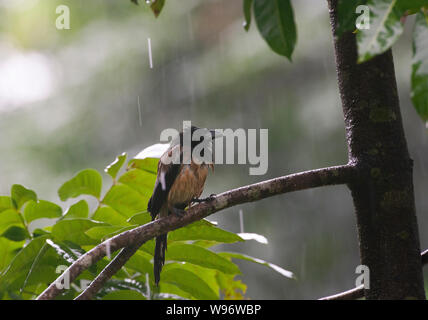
x: 215, y: 134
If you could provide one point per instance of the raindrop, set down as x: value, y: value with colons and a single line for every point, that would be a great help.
x: 139, y: 111
x: 149, y: 42
x: 241, y: 220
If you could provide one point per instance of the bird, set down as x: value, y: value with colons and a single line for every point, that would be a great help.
x: 180, y: 181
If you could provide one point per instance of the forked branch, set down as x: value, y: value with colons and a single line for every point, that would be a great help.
x: 136, y: 237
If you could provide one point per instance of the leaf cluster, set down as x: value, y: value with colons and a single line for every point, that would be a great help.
x: 31, y: 258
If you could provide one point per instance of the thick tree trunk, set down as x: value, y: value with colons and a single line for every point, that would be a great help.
x: 383, y: 196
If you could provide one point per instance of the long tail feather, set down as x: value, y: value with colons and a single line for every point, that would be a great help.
x: 159, y: 259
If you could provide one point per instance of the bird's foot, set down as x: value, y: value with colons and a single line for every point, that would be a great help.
x: 178, y: 212
x: 210, y: 198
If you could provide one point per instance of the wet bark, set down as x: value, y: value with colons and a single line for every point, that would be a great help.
x: 383, y: 195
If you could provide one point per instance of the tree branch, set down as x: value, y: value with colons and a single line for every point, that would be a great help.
x: 136, y: 237
x: 358, y: 292
x: 109, y: 271
x: 353, y: 294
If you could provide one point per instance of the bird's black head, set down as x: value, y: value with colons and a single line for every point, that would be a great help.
x: 197, y: 135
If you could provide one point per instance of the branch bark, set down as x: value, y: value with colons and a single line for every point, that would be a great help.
x: 383, y: 197
x: 136, y: 237
x: 109, y: 271
x: 358, y: 292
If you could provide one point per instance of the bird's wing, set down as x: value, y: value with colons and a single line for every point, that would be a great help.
x: 167, y: 173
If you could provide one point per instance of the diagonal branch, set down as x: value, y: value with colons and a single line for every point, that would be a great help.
x: 358, y: 292
x: 109, y: 271
x: 299, y: 181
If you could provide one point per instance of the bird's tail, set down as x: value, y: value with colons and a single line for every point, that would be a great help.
x: 159, y: 259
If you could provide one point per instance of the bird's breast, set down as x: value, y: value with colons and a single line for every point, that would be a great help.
x: 189, y: 184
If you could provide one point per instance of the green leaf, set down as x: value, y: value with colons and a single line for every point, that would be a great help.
x: 8, y: 251
x: 63, y: 250
x: 87, y: 181
x: 16, y: 233
x: 41, y: 209
x: 200, y: 256
x: 346, y: 11
x: 203, y: 230
x: 147, y: 164
x: 5, y: 203
x: 35, y: 263
x: 113, y: 168
x: 73, y: 249
x: 39, y: 232
x: 247, y: 13
x: 419, y: 91
x: 209, y: 276
x: 20, y: 195
x: 125, y: 200
x: 275, y: 21
x: 188, y: 282
x: 148, y: 247
x: 122, y: 284
x: 109, y: 215
x: 157, y: 6
x: 124, y: 295
x: 166, y: 288
x: 105, y: 232
x: 412, y: 5
x: 78, y: 210
x: 9, y: 218
x: 43, y: 272
x: 285, y: 273
x: 385, y: 29
x: 74, y: 230
x: 21, y: 263
x: 205, y: 243
x: 232, y: 289
x: 140, y: 262
x: 140, y: 218
x: 99, y: 233
x: 139, y: 180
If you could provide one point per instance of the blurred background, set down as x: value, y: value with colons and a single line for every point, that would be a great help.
x: 73, y: 99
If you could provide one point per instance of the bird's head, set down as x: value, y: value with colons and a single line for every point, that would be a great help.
x: 197, y: 135
x: 197, y: 138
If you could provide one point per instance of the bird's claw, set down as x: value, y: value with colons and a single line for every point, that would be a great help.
x: 211, y: 197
